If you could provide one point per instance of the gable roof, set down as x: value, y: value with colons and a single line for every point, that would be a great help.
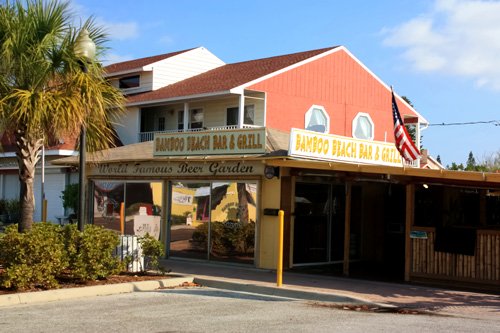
x: 137, y: 64
x: 225, y: 78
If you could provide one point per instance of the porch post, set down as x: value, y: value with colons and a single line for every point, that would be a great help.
x: 347, y: 227
x: 410, y: 215
x: 241, y: 110
x: 186, y: 117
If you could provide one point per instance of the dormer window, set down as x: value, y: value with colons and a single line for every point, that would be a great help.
x: 129, y: 82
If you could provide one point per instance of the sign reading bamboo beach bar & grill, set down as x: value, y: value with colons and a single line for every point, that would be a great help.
x: 329, y: 147
x: 243, y: 141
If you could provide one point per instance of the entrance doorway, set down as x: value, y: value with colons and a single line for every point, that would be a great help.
x: 319, y: 223
x: 377, y: 228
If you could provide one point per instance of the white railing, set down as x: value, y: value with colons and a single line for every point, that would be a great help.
x: 149, y: 136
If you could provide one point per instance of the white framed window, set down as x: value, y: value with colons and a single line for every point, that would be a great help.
x: 363, y: 127
x: 232, y: 114
x: 317, y: 120
x: 196, y: 118
x: 180, y: 119
x: 128, y: 82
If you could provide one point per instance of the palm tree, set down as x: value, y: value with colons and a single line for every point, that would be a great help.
x: 43, y: 91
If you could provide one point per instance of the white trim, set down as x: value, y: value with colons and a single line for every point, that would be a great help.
x: 265, y: 108
x: 147, y: 67
x: 116, y: 75
x: 370, y: 120
x: 238, y: 89
x: 179, y: 98
x: 241, y: 111
x: 420, y: 117
x: 324, y: 54
x: 307, y: 117
x: 54, y: 152
x: 286, y: 69
x: 186, y: 118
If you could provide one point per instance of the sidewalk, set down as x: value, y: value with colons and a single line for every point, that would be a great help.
x: 341, y: 290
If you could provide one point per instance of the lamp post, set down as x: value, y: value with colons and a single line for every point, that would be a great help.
x: 85, y: 49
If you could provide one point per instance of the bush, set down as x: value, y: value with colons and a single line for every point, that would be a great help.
x: 228, y: 237
x: 152, y: 250
x: 32, y: 259
x: 70, y: 197
x: 90, y: 253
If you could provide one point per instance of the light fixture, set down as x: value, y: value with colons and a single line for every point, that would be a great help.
x: 270, y: 172
x: 84, y: 48
x: 425, y: 186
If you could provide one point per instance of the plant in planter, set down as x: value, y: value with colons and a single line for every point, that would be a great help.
x: 152, y: 250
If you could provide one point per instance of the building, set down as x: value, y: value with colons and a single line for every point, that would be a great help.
x: 212, y: 154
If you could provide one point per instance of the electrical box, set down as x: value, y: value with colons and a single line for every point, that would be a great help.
x: 271, y: 211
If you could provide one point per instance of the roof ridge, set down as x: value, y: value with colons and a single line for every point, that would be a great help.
x: 315, y: 51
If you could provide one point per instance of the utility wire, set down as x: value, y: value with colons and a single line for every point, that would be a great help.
x: 495, y: 122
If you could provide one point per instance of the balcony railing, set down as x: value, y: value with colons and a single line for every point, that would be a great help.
x: 149, y: 136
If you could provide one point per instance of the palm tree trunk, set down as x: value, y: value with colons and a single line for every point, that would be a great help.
x: 28, y: 154
x: 242, y: 202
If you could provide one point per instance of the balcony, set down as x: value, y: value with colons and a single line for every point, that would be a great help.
x: 148, y: 136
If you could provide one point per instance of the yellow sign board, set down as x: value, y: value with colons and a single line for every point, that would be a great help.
x: 329, y: 147
x: 243, y: 141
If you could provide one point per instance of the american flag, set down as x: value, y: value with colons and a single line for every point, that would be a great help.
x: 404, y: 143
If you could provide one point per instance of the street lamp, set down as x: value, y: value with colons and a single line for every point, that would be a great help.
x: 85, y: 49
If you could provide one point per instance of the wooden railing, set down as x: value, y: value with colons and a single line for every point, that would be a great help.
x: 483, y: 266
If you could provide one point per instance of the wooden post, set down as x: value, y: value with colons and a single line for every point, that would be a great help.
x: 279, y: 266
x: 347, y: 227
x: 410, y: 209
x: 122, y: 218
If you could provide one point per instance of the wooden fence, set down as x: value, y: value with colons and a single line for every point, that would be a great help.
x: 483, y: 266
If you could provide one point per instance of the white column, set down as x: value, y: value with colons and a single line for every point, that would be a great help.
x: 186, y: 116
x: 241, y: 110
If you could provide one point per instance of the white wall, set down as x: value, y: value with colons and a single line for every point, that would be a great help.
x: 128, y: 126
x: 183, y: 66
x: 55, y: 183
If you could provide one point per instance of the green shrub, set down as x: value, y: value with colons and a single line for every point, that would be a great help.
x: 70, y: 196
x: 228, y: 237
x: 32, y: 259
x: 152, y: 250
x: 90, y: 253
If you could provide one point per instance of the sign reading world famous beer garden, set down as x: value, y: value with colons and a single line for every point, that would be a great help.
x: 243, y: 141
x: 329, y: 147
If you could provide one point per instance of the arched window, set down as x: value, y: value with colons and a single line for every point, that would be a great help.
x: 317, y: 120
x: 363, y: 127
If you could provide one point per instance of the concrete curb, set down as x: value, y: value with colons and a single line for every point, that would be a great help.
x: 281, y: 292
x: 102, y: 290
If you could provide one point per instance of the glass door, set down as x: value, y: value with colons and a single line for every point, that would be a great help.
x: 311, y: 228
x: 213, y: 220
x: 189, y: 219
x: 232, y: 225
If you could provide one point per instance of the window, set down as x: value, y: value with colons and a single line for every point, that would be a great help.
x: 180, y: 120
x: 196, y: 120
x: 232, y: 116
x: 317, y: 120
x: 362, y: 127
x: 161, y: 124
x: 233, y: 113
x: 129, y: 82
x: 249, y: 115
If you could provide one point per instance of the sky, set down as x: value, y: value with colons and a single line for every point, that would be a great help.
x: 444, y: 55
